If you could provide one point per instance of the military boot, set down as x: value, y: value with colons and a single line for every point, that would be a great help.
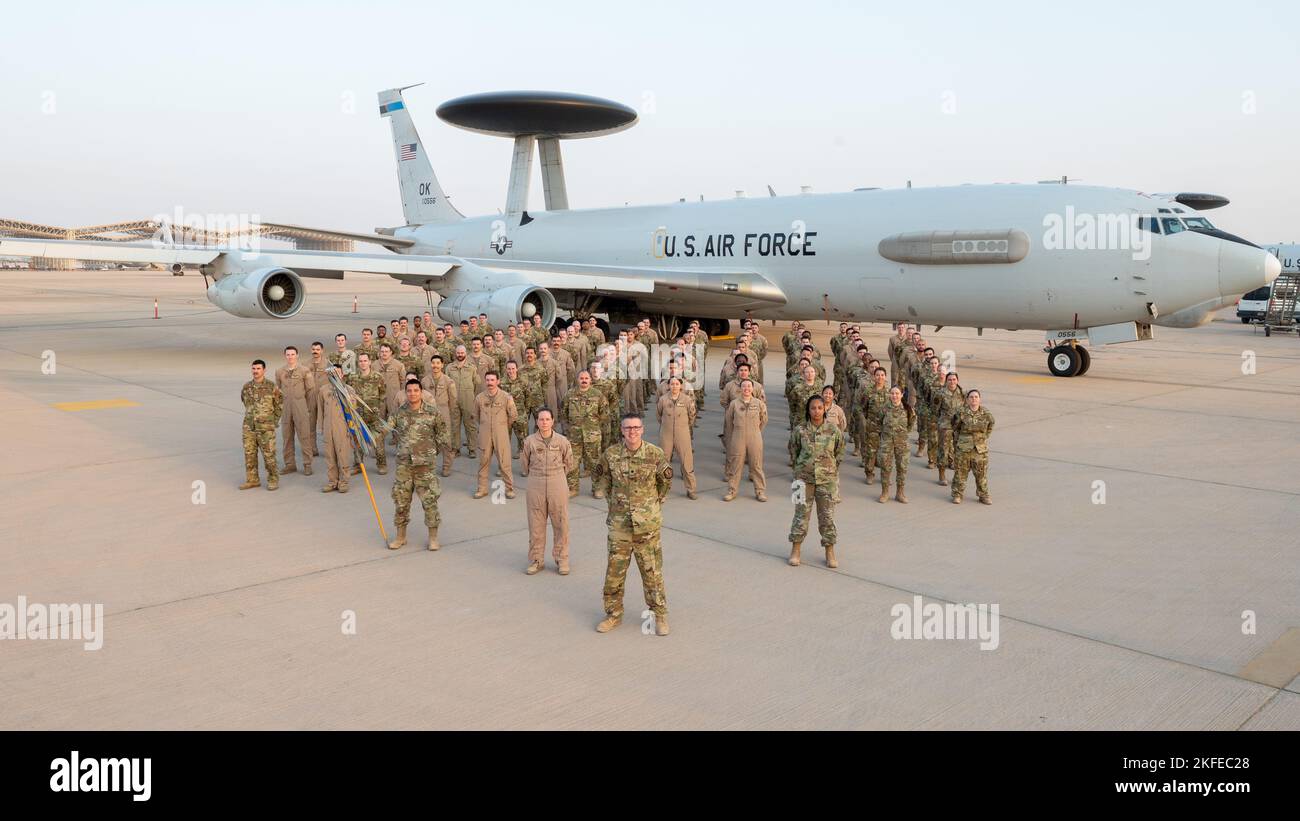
x: 984, y: 500
x: 609, y: 623
x: 899, y: 494
x: 250, y: 483
x: 795, y: 548
x: 884, y: 494
x: 563, y: 567
x: 399, y: 541
x: 830, y: 557
x: 956, y: 500
x: 433, y: 539
x: 273, y: 483
x: 942, y: 481
x: 661, y: 624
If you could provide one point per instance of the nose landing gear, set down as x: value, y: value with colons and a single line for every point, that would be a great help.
x: 1071, y: 359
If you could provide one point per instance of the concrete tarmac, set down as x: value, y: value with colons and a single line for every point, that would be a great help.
x: 1172, y: 605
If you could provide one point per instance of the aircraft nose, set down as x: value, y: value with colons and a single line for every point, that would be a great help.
x: 1244, y: 268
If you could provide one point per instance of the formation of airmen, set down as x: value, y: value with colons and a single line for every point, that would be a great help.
x: 569, y: 404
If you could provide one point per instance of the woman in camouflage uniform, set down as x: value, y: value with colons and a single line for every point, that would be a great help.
x: 817, y: 447
x: 971, y: 428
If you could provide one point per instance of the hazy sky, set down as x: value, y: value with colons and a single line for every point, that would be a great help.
x: 269, y: 108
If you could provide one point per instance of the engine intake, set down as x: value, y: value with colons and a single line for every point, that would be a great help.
x: 506, y: 306
x: 267, y: 292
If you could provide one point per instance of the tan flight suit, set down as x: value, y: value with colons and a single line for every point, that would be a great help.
x: 296, y: 384
x: 494, y: 415
x: 730, y: 394
x: 676, y: 418
x: 443, y: 397
x: 745, y: 422
x: 394, y: 374
x: 547, y: 463
x: 319, y: 380
x: 338, y: 447
x: 483, y: 363
x: 468, y: 384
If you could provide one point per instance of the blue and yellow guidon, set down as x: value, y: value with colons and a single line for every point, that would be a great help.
x: 393, y: 106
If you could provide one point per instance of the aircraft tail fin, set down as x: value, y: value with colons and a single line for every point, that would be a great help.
x: 423, y: 200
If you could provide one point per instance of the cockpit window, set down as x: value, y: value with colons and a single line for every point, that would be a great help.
x: 1164, y: 211
x: 1179, y: 211
x: 1173, y: 225
x: 1198, y: 222
x: 1149, y: 224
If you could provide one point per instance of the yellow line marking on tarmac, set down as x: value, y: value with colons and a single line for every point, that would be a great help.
x: 1277, y: 663
x: 97, y: 404
x: 1034, y: 380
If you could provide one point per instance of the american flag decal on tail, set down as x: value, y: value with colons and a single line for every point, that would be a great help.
x: 406, y: 152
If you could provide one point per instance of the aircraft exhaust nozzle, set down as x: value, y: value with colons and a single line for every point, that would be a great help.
x: 1244, y: 268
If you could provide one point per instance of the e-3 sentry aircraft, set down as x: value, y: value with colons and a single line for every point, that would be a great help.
x: 1086, y: 264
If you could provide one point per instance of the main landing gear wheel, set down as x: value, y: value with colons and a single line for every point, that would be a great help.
x: 1086, y: 360
x: 1064, y: 360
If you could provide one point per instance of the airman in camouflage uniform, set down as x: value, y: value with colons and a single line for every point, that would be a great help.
x: 874, y: 400
x: 513, y: 384
x: 534, y: 377
x: 263, y: 405
x: 585, y: 411
x: 342, y: 356
x: 370, y: 388
x: 635, y: 477
x: 894, y: 421
x: 817, y: 447
x: 806, y: 387
x: 948, y: 401
x: 418, y: 434
x: 971, y: 427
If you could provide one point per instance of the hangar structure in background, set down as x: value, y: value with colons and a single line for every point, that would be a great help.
x: 163, y: 230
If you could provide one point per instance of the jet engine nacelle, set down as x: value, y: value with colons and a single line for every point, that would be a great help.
x: 505, y: 306
x: 267, y: 292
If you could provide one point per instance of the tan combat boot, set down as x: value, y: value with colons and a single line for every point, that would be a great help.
x: 956, y: 500
x: 884, y: 494
x: 609, y: 623
x: 830, y: 557
x: 250, y: 483
x: 730, y: 496
x: 306, y: 470
x: 984, y: 500
x: 900, y: 495
x: 795, y: 548
x: 563, y: 567
x: 761, y: 496
x: 273, y: 483
x: 288, y: 469
x: 661, y: 625
x: 433, y: 539
x: 534, y: 568
x: 942, y: 481
x: 399, y: 541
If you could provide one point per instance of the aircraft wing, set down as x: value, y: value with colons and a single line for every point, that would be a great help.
x: 326, y: 264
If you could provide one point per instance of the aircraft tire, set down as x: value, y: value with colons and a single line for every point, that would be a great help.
x: 1085, y: 360
x: 1064, y: 360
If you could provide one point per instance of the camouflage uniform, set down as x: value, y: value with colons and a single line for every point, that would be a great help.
x: 874, y: 401
x: 611, y: 389
x: 800, y: 393
x: 418, y: 435
x: 413, y: 365
x: 817, y: 452
x: 518, y: 390
x: 970, y: 431
x: 534, y: 378
x: 894, y: 421
x: 346, y: 358
x: 263, y: 405
x: 946, y: 405
x: 373, y: 391
x: 585, y: 412
x: 635, y: 484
